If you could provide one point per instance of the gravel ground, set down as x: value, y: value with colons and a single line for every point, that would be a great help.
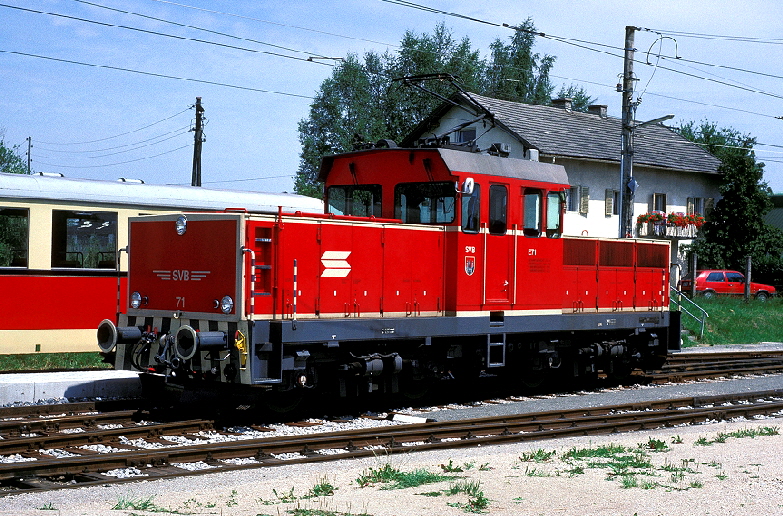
x: 719, y: 468
x: 741, y: 476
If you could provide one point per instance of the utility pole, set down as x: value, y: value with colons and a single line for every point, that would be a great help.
x: 29, y: 153
x: 627, y: 183
x: 198, y: 138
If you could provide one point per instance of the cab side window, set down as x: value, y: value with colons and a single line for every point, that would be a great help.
x: 531, y: 209
x: 498, y: 205
x: 359, y: 201
x: 554, y: 202
x: 471, y: 208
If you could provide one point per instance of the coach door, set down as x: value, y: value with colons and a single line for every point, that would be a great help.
x: 499, y: 249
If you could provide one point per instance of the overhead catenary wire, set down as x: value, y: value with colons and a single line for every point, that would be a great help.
x: 117, y: 163
x: 153, y: 74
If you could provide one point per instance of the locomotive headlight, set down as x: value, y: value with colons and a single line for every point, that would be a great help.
x: 226, y: 304
x: 135, y: 300
x: 182, y: 224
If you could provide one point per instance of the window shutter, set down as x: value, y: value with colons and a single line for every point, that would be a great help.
x: 691, y: 206
x: 584, y: 199
x: 709, y: 205
x: 609, y: 203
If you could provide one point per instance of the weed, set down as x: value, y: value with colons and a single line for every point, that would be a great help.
x: 576, y: 470
x: 656, y: 445
x: 676, y: 439
x: 137, y: 504
x: 630, y: 481
x: 431, y: 493
x: 285, y: 497
x: 451, y: 467
x: 534, y: 472
x: 600, y: 452
x: 537, y: 456
x: 322, y: 488
x: 721, y: 476
x: 47, y: 507
x: 696, y: 484
x: 401, y: 480
x: 702, y: 441
x: 232, y: 500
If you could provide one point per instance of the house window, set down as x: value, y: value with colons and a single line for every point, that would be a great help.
x: 659, y: 202
x: 466, y: 135
x: 498, y: 200
x: 612, y: 203
x: 579, y: 199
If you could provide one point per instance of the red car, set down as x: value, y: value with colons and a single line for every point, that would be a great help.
x: 713, y: 282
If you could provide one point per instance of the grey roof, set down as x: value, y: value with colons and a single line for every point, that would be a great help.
x: 572, y: 134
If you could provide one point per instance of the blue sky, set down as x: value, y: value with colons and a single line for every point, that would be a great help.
x: 105, y: 122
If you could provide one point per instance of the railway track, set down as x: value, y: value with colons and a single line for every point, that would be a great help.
x: 682, y: 367
x: 172, y: 451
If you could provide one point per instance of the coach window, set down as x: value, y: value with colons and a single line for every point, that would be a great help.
x: 425, y: 203
x: 554, y: 203
x: 471, y: 208
x: 359, y: 201
x: 84, y: 239
x: 498, y: 201
x: 14, y: 237
x: 532, y: 213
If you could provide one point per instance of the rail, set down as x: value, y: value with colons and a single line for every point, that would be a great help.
x: 678, y: 298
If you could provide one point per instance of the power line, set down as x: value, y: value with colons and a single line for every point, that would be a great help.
x: 159, y: 75
x: 180, y: 133
x: 158, y: 33
x: 113, y: 164
x: 115, y: 136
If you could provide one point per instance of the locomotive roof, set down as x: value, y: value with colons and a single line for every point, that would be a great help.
x: 86, y: 191
x: 472, y: 163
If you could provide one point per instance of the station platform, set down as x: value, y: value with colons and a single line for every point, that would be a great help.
x: 21, y: 388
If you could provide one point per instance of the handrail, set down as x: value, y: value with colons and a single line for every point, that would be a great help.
x: 677, y: 298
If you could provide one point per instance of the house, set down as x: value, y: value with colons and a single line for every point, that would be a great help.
x: 673, y: 175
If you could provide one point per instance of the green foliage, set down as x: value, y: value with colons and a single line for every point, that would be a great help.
x: 539, y: 455
x: 736, y: 229
x: 11, y: 161
x: 137, y: 504
x: 360, y: 102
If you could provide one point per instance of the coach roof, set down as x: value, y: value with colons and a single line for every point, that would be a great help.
x: 35, y: 187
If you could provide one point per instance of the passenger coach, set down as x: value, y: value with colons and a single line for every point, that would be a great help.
x: 61, y: 270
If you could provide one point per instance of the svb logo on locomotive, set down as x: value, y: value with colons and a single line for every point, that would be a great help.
x: 182, y: 275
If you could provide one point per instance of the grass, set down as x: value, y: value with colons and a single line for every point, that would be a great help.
x: 52, y: 361
x: 396, y: 479
x: 732, y: 321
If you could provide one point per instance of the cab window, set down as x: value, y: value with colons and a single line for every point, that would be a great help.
x: 425, y: 203
x: 14, y: 232
x: 359, y: 201
x: 498, y: 204
x: 84, y: 239
x: 471, y: 208
x: 553, y: 210
x: 531, y: 210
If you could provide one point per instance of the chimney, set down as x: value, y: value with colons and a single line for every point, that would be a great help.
x: 563, y: 103
x: 597, y: 109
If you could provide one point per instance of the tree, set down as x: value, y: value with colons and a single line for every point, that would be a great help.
x: 736, y: 229
x: 361, y: 101
x: 11, y: 161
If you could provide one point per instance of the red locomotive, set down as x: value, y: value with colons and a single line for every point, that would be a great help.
x: 429, y: 263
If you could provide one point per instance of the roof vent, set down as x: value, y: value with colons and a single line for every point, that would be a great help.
x: 564, y: 103
x: 49, y: 174
x: 597, y: 109
x: 128, y: 180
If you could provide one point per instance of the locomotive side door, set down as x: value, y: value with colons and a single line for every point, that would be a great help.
x: 498, y: 248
